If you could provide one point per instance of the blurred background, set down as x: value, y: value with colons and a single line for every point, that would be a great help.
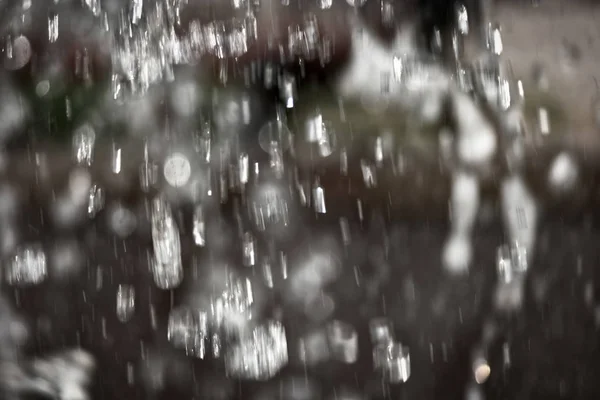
x: 255, y: 199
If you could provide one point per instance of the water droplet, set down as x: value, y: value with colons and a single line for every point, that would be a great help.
x: 177, y: 170
x: 324, y: 4
x: 356, y: 3
x: 53, y: 27
x: 393, y: 362
x: 27, y: 267
x: 17, y: 53
x: 125, y: 302
x: 343, y: 339
x: 319, y: 198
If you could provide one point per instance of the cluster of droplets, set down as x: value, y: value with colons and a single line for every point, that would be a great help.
x: 146, y: 47
x: 260, y: 354
x: 148, y: 42
x: 65, y: 375
x: 224, y: 329
x: 167, y: 268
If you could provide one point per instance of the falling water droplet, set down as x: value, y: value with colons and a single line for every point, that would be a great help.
x: 125, y: 302
x: 53, y: 27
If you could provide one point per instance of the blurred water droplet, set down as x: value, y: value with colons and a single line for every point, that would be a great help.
x: 506, y: 355
x: 345, y: 228
x: 99, y: 278
x: 314, y: 130
x: 9, y: 202
x: 462, y: 19
x: 563, y: 173
x: 326, y: 50
x: 313, y: 348
x: 392, y: 360
x: 324, y: 4
x: 474, y: 392
x: 494, y: 81
x: 42, y: 88
x: 274, y: 133
x: 153, y: 319
x: 481, y: 370
x: 185, y: 98
x: 117, y: 162
x: 188, y: 330
x: 588, y: 294
x: 504, y: 264
x: 312, y: 36
x: 199, y: 229
x: 511, y: 262
x: 66, y: 259
x: 177, y: 170
x: 148, y: 172
x: 249, y: 249
x: 122, y: 221
x: 166, y: 265
x: 216, y: 345
x: 238, y: 38
x: 387, y: 13
x: 356, y: 3
x: 283, y: 264
x: 84, y: 140
x: 269, y: 208
x: 251, y: 27
x: 320, y: 308
x: 368, y: 173
x: 8, y: 239
x: 96, y: 201
x: 260, y: 354
x: 267, y: 272
x: 319, y: 198
x: 379, y: 151
x: 543, y: 121
x: 276, y: 160
x: 125, y: 302
x: 27, y: 267
x: 343, y: 340
x: 287, y: 90
x: 17, y: 53
x: 137, y: 7
x: 494, y: 40
x: 344, y: 162
x: 53, y: 27
x: 381, y: 331
x: 94, y: 6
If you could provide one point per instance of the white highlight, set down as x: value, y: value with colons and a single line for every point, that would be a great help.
x: 477, y: 141
x: 464, y: 204
x: 177, y: 170
x: 544, y: 121
x: 369, y: 61
x: 563, y: 173
x: 520, y: 211
x: 378, y: 74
